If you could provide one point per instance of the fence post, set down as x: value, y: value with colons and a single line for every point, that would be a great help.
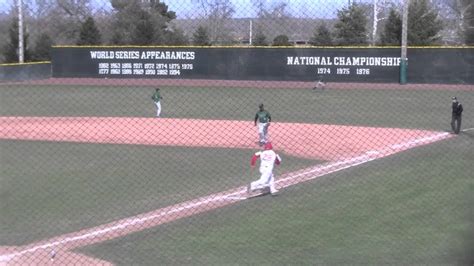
x: 404, y: 60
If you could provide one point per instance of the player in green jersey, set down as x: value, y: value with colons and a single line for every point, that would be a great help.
x: 157, y: 99
x: 262, y: 120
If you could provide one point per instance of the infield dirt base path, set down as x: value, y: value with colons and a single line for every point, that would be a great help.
x: 342, y: 146
x: 324, y: 142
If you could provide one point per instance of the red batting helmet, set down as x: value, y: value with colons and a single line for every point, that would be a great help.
x: 268, y: 146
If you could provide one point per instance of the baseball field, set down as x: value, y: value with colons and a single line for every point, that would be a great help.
x: 370, y: 175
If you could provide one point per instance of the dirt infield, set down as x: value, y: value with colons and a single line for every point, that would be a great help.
x: 242, y: 84
x: 323, y: 142
x: 340, y: 145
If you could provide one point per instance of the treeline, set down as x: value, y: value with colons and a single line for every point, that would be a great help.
x: 150, y: 22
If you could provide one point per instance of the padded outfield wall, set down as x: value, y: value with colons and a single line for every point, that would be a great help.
x: 353, y: 64
x: 26, y: 71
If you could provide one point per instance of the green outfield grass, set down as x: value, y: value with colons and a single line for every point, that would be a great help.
x: 50, y: 188
x: 421, y: 109
x: 411, y: 208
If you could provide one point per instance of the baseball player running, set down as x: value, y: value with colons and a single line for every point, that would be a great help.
x: 263, y: 119
x: 268, y: 158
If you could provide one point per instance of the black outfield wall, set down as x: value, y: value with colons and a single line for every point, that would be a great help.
x: 425, y: 65
x: 26, y: 71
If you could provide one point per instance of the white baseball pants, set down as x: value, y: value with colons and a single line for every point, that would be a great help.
x: 263, y: 132
x: 158, y: 109
x: 266, y: 180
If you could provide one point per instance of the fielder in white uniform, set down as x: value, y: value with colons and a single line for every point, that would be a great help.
x: 268, y: 158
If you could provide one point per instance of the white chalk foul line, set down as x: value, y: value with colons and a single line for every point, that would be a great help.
x: 133, y: 221
x: 367, y: 157
x: 305, y: 175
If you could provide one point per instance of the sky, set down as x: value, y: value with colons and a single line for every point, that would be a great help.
x: 243, y: 8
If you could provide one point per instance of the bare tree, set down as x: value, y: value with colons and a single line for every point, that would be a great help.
x: 380, y: 13
x: 40, y: 8
x: 218, y: 14
x: 455, y: 14
x: 274, y: 18
x: 78, y: 9
x: 260, y: 6
x: 65, y: 15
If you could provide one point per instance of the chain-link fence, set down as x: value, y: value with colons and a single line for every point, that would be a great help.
x: 226, y: 132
